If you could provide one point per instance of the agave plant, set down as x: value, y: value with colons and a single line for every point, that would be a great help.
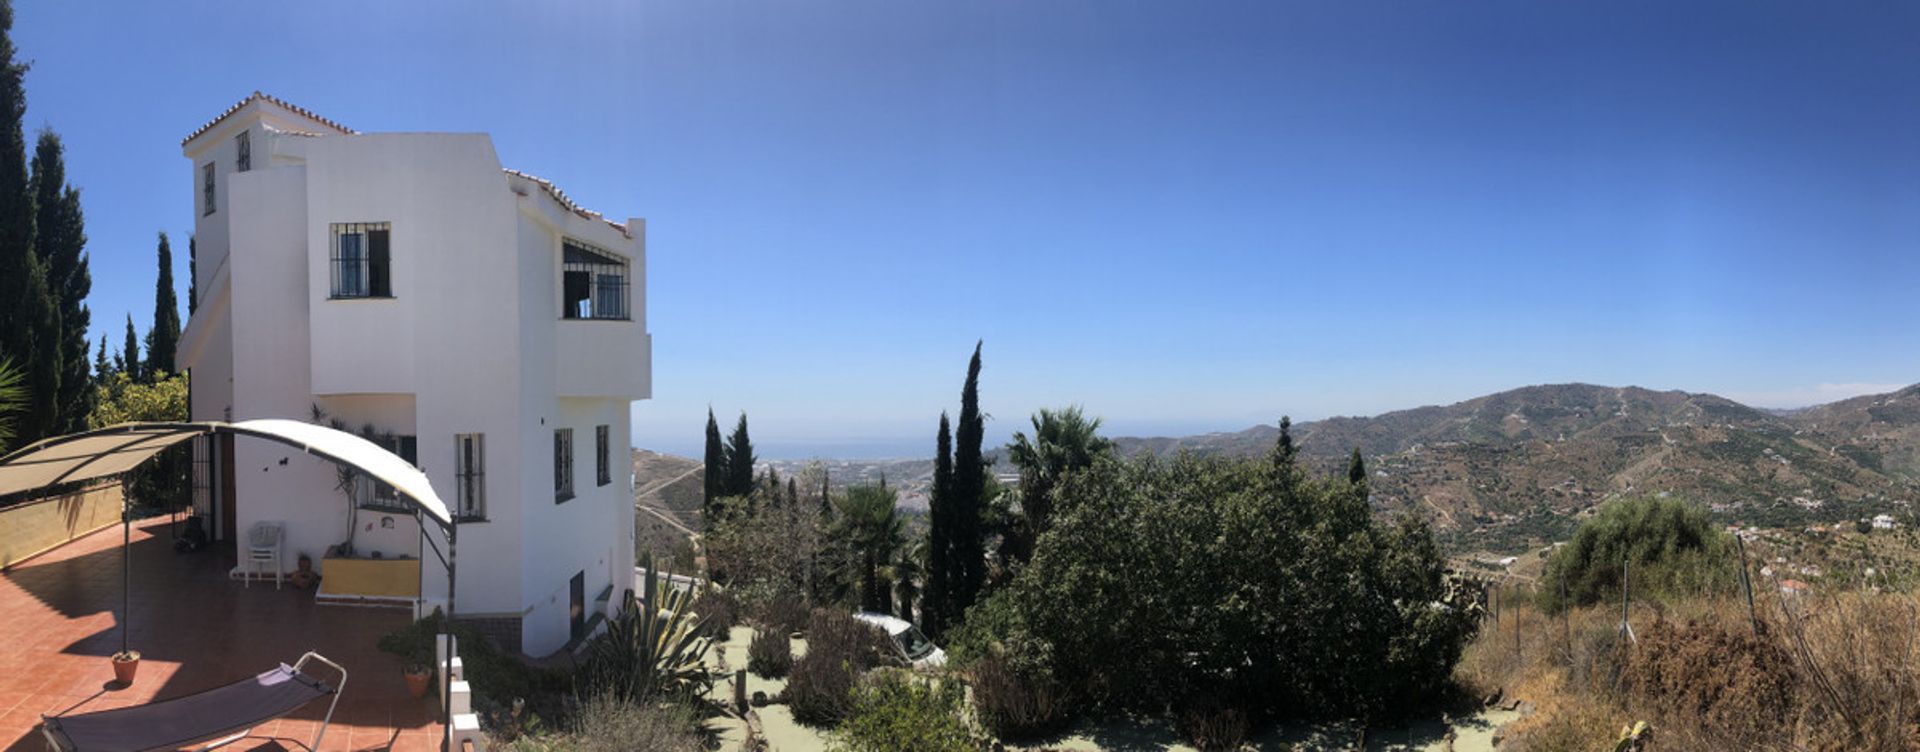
x: 654, y: 646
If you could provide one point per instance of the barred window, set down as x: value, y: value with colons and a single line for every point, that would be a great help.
x: 362, y: 260
x: 206, y: 188
x: 593, y: 282
x: 243, y: 145
x: 470, y: 475
x: 602, y: 472
x: 373, y: 493
x: 562, y: 464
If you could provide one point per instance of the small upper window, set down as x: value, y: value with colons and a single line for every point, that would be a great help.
x: 593, y: 283
x: 362, y: 260
x: 206, y: 188
x: 470, y: 475
x: 243, y: 147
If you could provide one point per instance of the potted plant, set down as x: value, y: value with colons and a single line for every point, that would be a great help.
x: 418, y: 675
x: 126, y: 663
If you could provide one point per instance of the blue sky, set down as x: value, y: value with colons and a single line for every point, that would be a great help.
x: 1184, y: 216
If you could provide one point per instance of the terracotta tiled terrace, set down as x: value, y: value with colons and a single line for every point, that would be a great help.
x: 195, y: 630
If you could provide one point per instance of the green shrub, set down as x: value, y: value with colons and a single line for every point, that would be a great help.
x: 891, y: 711
x: 719, y: 613
x: 1236, y: 578
x: 783, y: 612
x: 498, y: 678
x: 1671, y: 547
x: 839, y: 649
x: 770, y: 655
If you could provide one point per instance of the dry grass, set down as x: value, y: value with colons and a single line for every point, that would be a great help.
x: 1824, y: 672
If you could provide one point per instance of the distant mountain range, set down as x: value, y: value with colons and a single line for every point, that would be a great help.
x: 1520, y: 467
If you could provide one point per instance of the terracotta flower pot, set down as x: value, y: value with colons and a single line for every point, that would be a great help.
x: 417, y: 682
x: 125, y: 665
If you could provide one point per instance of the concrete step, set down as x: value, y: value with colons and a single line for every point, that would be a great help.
x: 466, y: 733
x: 462, y: 694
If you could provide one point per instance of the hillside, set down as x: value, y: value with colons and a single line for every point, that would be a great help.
x: 1519, y: 467
x: 667, y: 495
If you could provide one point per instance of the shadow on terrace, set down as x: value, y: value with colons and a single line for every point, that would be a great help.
x: 195, y: 630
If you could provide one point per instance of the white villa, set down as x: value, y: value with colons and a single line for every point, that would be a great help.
x: 482, y: 324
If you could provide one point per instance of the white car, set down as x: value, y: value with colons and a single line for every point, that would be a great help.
x: 907, y: 639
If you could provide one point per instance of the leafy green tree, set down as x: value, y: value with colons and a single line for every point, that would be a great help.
x: 740, y: 460
x: 1670, y: 548
x: 60, y: 239
x: 967, y: 539
x: 907, y: 572
x: 101, y: 366
x: 935, y: 612
x: 29, y: 317
x: 715, y: 467
x: 870, y: 528
x: 128, y: 360
x: 13, y: 395
x: 163, y: 481
x: 1063, y: 441
x: 164, y: 338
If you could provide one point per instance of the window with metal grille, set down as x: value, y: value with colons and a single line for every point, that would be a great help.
x: 203, y: 475
x: 206, y: 188
x: 243, y: 145
x: 470, y: 475
x: 362, y: 260
x: 593, y: 283
x: 602, y: 473
x: 562, y: 464
x: 373, y: 493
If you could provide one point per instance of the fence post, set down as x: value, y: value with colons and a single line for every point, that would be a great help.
x: 1753, y: 620
x: 1566, y: 615
x: 1625, y: 595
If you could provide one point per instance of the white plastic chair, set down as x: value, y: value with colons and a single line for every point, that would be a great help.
x: 263, y: 549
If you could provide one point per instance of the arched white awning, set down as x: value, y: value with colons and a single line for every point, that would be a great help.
x: 116, y: 449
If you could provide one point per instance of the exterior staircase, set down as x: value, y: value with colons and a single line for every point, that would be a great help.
x: 466, y: 724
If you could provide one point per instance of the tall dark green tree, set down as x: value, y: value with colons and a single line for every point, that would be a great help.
x: 967, y: 539
x: 740, y: 460
x: 128, y: 361
x: 716, y: 468
x: 872, y: 529
x: 193, y: 274
x: 164, y: 337
x: 60, y: 240
x: 1357, y: 471
x: 939, y: 589
x: 29, y: 317
x: 101, y: 366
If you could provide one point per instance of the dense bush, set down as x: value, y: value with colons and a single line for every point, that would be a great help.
x: 890, y: 711
x: 1236, y: 579
x: 1013, y: 705
x: 770, y: 655
x: 718, y: 611
x: 498, y: 678
x: 839, y: 649
x: 1671, y: 547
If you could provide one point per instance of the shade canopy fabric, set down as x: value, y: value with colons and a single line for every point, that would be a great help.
x: 116, y: 449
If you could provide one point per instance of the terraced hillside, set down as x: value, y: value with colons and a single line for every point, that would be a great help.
x: 667, y: 495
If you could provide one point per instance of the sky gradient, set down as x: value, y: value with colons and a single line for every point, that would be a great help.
x: 1184, y: 216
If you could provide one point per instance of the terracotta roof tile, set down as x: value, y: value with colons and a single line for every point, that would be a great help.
x: 561, y: 197
x: 269, y: 98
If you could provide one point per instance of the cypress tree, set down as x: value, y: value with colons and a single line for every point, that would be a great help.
x: 739, y: 460
x: 966, y: 539
x: 29, y: 317
x: 933, y: 602
x: 101, y: 367
x: 193, y: 274
x: 716, y: 468
x: 164, y: 337
x: 60, y: 240
x: 1356, y: 469
x: 128, y: 361
x: 793, y: 493
x: 826, y: 497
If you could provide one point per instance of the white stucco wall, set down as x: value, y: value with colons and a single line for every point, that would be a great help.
x: 470, y: 342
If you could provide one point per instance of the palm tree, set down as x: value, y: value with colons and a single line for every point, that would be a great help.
x: 1063, y: 441
x: 13, y: 396
x: 870, y: 526
x: 906, y: 570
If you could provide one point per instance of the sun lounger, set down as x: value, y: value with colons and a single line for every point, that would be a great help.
x: 222, y: 715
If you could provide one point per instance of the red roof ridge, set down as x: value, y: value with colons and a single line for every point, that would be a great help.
x: 560, y: 196
x: 256, y: 95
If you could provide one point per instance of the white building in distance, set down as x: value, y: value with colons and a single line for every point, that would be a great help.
x: 472, y: 318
